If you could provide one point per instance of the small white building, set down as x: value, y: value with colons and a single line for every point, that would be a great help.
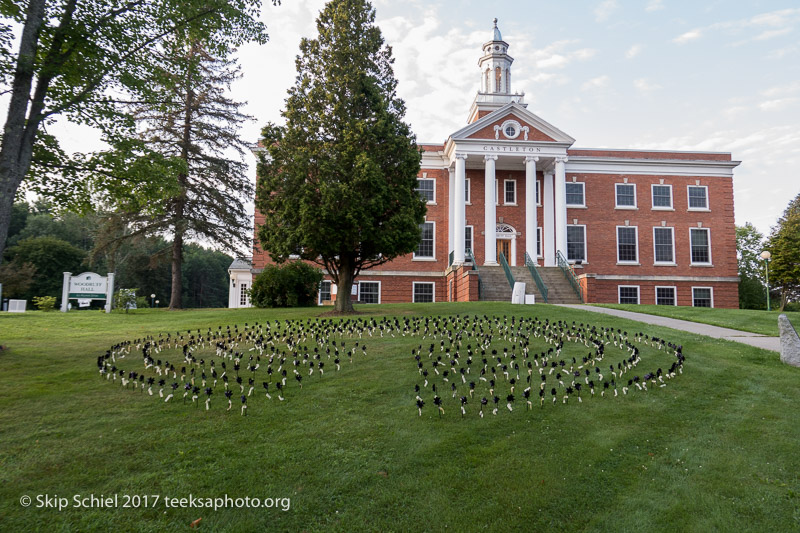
x: 241, y: 274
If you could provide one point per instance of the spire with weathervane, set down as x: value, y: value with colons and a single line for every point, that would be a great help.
x: 495, y: 88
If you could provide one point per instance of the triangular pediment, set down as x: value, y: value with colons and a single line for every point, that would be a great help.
x: 534, y: 128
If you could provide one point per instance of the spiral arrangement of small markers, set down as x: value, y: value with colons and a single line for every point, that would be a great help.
x: 487, y: 366
x: 469, y: 365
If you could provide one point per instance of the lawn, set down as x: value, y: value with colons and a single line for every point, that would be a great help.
x: 715, y: 449
x: 763, y: 322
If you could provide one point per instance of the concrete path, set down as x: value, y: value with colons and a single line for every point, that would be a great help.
x: 745, y: 337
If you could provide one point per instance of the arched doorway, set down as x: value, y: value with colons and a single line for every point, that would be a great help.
x: 506, y: 237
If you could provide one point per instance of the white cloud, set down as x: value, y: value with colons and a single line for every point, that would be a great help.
x: 782, y: 90
x: 558, y: 55
x: 777, y: 104
x: 603, y: 11
x: 734, y: 111
x: 596, y: 83
x: 780, y: 53
x: 633, y: 51
x: 690, y: 35
x: 654, y: 5
x: 770, y: 34
x: 644, y: 85
x: 781, y: 22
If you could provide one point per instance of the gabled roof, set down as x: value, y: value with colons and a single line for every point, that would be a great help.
x: 519, y: 112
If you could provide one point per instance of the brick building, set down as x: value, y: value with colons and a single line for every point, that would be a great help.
x: 511, y: 200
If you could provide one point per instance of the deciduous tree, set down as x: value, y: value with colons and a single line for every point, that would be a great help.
x: 77, y: 58
x: 749, y: 245
x: 784, y: 245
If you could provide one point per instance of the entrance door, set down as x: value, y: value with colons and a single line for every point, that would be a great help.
x: 504, y: 247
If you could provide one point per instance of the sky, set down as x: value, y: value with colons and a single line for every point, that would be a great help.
x: 660, y: 74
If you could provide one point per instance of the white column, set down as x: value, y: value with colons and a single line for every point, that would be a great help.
x: 530, y: 206
x: 109, y: 291
x: 65, y: 292
x: 490, y: 212
x: 459, y: 213
x: 561, y: 206
x: 548, y: 232
x: 451, y: 205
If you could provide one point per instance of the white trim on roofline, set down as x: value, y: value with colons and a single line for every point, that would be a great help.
x: 655, y: 167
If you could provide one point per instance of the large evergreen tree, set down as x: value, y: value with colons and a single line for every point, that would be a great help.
x: 76, y: 58
x: 196, y: 124
x: 337, y: 182
x: 784, y: 245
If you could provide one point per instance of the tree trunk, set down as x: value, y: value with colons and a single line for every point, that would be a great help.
x: 19, y: 132
x: 175, y: 301
x: 344, y: 286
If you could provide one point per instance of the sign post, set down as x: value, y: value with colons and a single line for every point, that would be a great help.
x: 65, y: 292
x: 87, y: 286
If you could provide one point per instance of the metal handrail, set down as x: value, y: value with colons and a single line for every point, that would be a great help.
x: 531, y: 264
x: 569, y: 273
x: 507, y: 269
x: 468, y: 255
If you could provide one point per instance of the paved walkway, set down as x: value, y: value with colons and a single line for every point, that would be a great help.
x: 745, y: 337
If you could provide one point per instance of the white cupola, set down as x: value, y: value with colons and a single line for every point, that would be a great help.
x: 495, y: 88
x: 496, y: 65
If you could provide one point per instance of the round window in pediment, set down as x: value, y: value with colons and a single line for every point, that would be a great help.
x: 511, y: 129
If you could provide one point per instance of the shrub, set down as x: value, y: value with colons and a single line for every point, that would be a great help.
x: 292, y: 285
x: 125, y: 299
x: 44, y: 303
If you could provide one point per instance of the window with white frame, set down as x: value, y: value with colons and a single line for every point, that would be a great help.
x: 702, y: 297
x: 701, y: 246
x: 468, y: 239
x: 664, y: 245
x: 426, y: 187
x: 324, y: 292
x: 243, y: 300
x: 576, y: 243
x: 627, y: 244
x: 666, y: 296
x: 575, y: 194
x: 662, y: 196
x: 426, y: 243
x: 466, y: 192
x: 625, y: 194
x: 628, y: 294
x: 509, y: 192
x: 539, y: 242
x: 698, y: 197
x: 423, y: 292
x: 369, y: 292
x: 538, y: 192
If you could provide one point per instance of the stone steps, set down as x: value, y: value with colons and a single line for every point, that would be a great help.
x: 495, y: 287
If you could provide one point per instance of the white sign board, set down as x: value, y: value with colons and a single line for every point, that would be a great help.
x: 86, y: 287
x: 17, y: 306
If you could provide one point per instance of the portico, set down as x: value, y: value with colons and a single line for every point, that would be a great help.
x: 537, y: 167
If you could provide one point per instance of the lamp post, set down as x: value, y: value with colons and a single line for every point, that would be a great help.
x: 765, y: 255
x: 152, y: 300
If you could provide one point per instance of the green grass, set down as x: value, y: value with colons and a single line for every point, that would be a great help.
x: 762, y: 322
x: 714, y: 450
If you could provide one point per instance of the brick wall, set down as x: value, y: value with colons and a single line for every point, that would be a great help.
x: 724, y: 294
x: 601, y: 220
